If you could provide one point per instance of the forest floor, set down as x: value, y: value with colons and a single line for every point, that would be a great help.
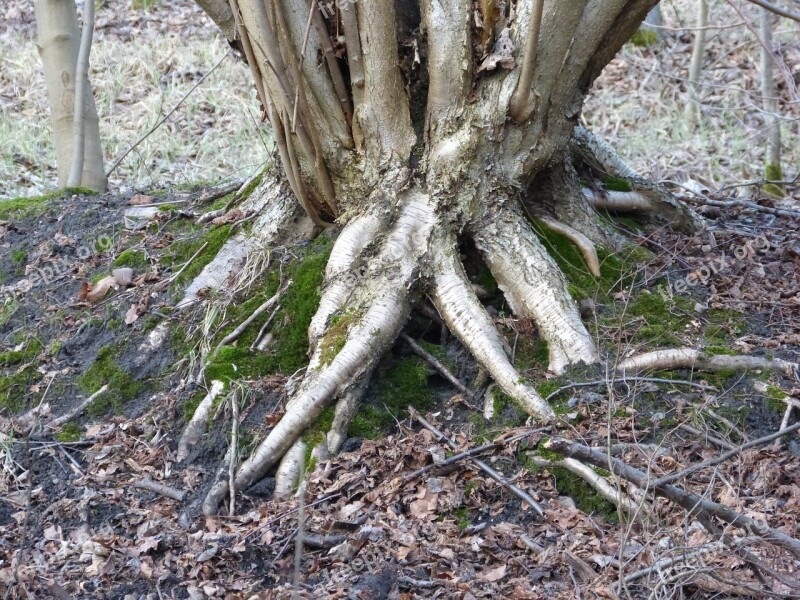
x: 73, y: 522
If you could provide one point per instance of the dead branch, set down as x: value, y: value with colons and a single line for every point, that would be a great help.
x: 59, y: 421
x: 778, y: 10
x: 266, y: 305
x: 726, y: 456
x: 436, y: 364
x: 691, y: 502
x: 159, y: 488
x: 497, y: 476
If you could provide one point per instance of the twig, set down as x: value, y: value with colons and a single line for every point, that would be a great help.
x: 726, y: 456
x: 298, y: 540
x: 266, y: 305
x: 778, y: 10
x: 690, y: 501
x: 159, y: 488
x: 81, y: 85
x: 734, y: 202
x: 713, y: 439
x: 172, y: 278
x: 256, y: 345
x: 436, y: 364
x: 59, y: 421
x: 759, y: 183
x: 626, y: 379
x: 498, y: 477
x: 469, y: 453
x: 666, y: 563
x: 167, y: 116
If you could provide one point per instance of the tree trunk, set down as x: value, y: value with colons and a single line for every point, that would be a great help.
x: 430, y: 132
x: 769, y: 94
x: 58, y: 41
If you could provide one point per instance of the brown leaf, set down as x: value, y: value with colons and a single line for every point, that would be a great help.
x: 96, y: 292
x: 230, y: 217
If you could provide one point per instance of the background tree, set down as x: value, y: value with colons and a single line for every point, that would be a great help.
x: 60, y: 45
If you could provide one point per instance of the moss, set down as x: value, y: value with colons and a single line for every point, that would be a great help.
x: 617, y: 184
x: 181, y: 251
x: 26, y: 354
x: 13, y: 387
x: 70, y: 432
x: 773, y: 172
x: 486, y: 280
x: 616, y: 270
x: 135, y: 259
x: 530, y: 352
x: 23, y: 208
x: 7, y: 309
x: 462, y: 517
x: 721, y: 320
x: 189, y: 406
x: 404, y: 383
x: 122, y: 387
x: 335, y: 337
x: 774, y: 399
x: 662, y: 317
x: 645, y: 37
x: 167, y: 207
x: 18, y: 257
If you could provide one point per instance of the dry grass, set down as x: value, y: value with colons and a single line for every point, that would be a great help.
x: 144, y: 61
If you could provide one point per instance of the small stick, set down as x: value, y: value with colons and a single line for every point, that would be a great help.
x: 580, y: 384
x: 436, y: 364
x: 234, y: 451
x: 266, y: 305
x: 261, y: 332
x: 159, y: 488
x: 713, y: 439
x: 498, y: 477
x: 298, y: 540
x: 726, y: 456
x: 59, y: 421
x: 172, y: 278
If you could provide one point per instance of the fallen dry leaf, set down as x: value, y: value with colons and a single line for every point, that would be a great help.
x: 96, y: 292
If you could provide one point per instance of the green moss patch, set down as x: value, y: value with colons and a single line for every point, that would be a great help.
x: 23, y: 208
x: 644, y: 38
x: 617, y: 184
x: 135, y: 259
x: 70, y: 432
x: 183, y: 250
x: 404, y: 383
x: 122, y: 387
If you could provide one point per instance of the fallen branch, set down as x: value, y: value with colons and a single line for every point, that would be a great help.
x: 707, y: 436
x: 436, y: 364
x: 159, y: 488
x: 778, y: 10
x: 234, y: 451
x: 59, y: 421
x: 626, y: 379
x: 691, y: 502
x: 734, y: 202
x: 726, y: 456
x: 497, y: 476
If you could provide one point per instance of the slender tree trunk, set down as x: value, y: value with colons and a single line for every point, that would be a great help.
x: 58, y: 43
x: 769, y: 94
x: 696, y: 66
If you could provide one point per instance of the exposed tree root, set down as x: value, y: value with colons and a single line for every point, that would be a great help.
x: 534, y: 287
x: 584, y: 244
x: 691, y: 358
x: 196, y: 427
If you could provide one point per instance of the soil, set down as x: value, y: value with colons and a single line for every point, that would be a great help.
x: 71, y: 506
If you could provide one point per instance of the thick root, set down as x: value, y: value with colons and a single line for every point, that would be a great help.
x: 535, y: 287
x: 365, y: 344
x: 691, y: 358
x: 468, y: 320
x: 197, y: 425
x: 584, y: 244
x: 346, y: 409
x: 288, y: 475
